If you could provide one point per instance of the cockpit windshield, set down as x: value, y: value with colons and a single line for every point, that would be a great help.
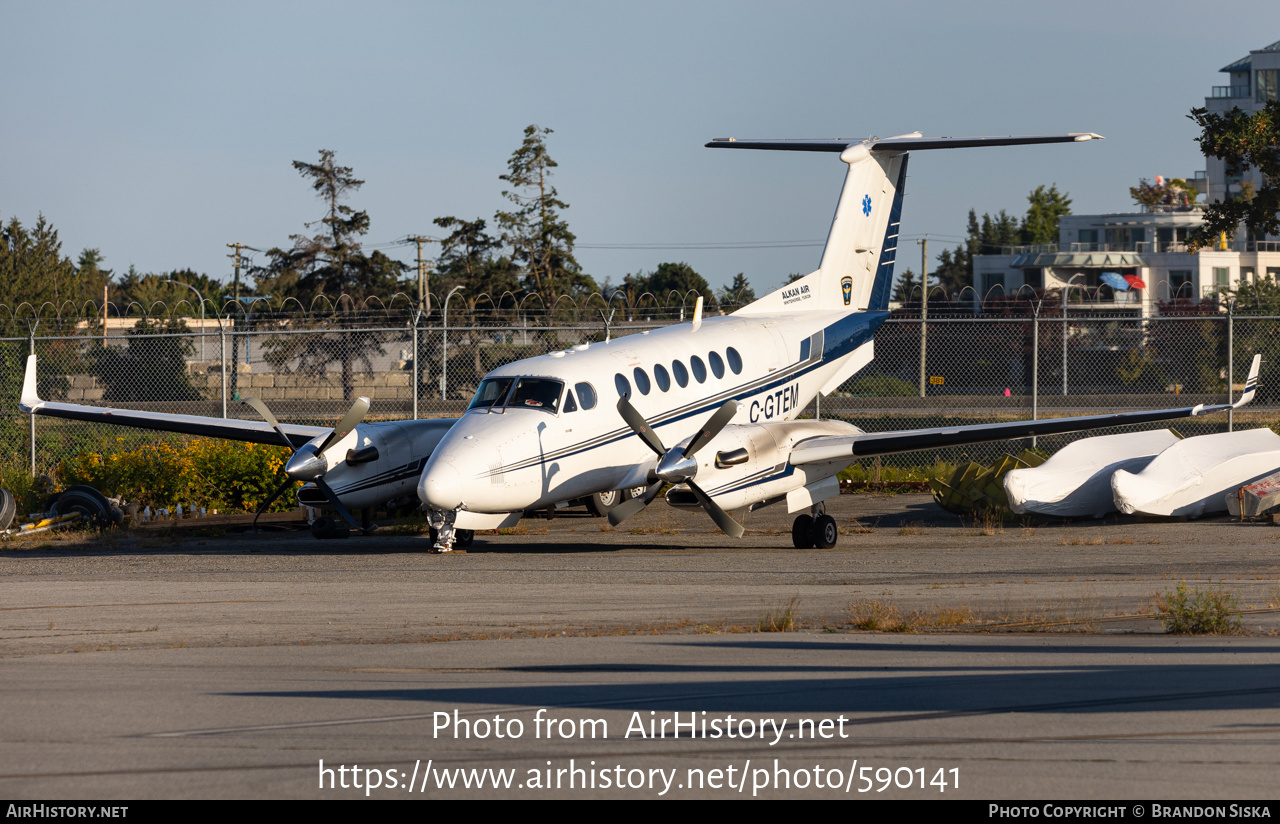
x: 530, y: 393
x: 537, y: 393
x: 492, y: 392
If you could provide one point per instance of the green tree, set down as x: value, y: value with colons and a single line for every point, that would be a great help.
x: 32, y: 267
x: 153, y: 294
x: 153, y: 367
x: 1040, y: 225
x: 1242, y: 141
x: 672, y: 277
x: 93, y: 278
x: 539, y: 237
x: 988, y: 236
x: 469, y: 257
x: 907, y: 289
x: 738, y: 293
x: 330, y: 262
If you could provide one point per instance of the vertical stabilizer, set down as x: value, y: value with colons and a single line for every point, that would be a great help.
x: 856, y: 271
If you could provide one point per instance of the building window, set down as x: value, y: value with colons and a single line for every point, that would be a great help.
x: 1033, y: 276
x: 1180, y: 283
x: 991, y: 280
x: 1247, y: 275
x: 1273, y: 273
x: 1266, y: 84
x: 1221, y: 277
x: 1089, y: 236
x: 1123, y: 238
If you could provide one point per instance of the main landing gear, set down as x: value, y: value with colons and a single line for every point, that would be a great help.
x: 817, y: 529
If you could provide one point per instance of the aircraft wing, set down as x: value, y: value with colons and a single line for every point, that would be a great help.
x: 823, y: 448
x: 235, y: 430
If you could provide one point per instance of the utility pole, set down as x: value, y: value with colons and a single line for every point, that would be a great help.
x: 235, y: 341
x: 924, y: 306
x: 424, y: 292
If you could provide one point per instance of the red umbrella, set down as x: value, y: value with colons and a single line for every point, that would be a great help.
x: 1135, y: 282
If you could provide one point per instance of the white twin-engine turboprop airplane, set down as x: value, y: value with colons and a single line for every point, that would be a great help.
x: 710, y: 406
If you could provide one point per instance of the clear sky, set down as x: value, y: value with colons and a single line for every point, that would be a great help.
x: 158, y: 132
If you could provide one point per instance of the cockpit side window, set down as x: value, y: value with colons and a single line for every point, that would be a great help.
x: 537, y: 393
x: 569, y: 404
x: 492, y: 393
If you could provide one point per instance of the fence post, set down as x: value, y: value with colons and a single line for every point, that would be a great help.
x: 1064, y: 342
x: 222, y: 364
x: 414, y: 379
x: 32, y: 342
x: 1231, y: 328
x: 1035, y: 369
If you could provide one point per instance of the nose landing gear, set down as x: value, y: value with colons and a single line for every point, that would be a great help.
x: 817, y: 529
x: 444, y: 537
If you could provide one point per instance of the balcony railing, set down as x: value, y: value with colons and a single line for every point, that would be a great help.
x: 1230, y: 91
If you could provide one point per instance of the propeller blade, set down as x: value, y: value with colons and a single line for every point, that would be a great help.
x: 626, y: 509
x: 337, y: 504
x: 712, y: 428
x: 723, y: 520
x: 270, y: 500
x: 640, y: 426
x: 261, y: 409
x: 349, y: 421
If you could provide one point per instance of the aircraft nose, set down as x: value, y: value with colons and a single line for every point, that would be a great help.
x: 441, y: 486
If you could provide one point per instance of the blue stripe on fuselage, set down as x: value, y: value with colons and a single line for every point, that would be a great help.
x: 839, y: 339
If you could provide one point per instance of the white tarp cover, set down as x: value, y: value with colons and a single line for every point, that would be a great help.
x: 1192, y: 477
x: 1076, y: 481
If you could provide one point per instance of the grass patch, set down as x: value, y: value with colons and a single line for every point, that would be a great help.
x: 911, y: 529
x: 779, y: 619
x: 1193, y: 611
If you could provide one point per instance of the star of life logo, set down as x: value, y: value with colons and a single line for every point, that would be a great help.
x: 866, y: 205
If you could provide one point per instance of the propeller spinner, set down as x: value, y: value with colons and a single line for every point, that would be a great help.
x: 307, y: 462
x: 676, y: 466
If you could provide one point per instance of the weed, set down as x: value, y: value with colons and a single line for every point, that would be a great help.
x: 780, y: 619
x: 876, y: 616
x: 911, y: 529
x: 1199, y: 612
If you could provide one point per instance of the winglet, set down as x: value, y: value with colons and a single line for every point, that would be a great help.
x: 1251, y: 384
x: 30, y: 400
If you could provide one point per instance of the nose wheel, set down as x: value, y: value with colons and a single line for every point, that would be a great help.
x: 816, y: 530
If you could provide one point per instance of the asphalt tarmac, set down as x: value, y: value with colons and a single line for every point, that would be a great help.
x: 1019, y: 661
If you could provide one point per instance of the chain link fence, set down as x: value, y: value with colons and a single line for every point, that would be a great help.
x: 956, y: 368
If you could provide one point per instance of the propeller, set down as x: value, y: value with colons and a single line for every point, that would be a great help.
x: 307, y: 462
x: 676, y: 466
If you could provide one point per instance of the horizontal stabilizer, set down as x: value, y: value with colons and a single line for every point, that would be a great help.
x: 906, y: 143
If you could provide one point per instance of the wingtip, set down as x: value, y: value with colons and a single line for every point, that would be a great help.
x: 30, y: 396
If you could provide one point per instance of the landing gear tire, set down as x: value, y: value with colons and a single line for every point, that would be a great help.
x: 325, y: 528
x: 600, y: 503
x: 825, y: 532
x: 636, y: 492
x: 90, y: 503
x: 8, y: 508
x: 462, y: 538
x: 802, y: 532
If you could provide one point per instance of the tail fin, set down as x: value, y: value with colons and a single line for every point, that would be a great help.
x: 856, y: 272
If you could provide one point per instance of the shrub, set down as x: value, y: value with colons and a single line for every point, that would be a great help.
x: 1199, y: 612
x: 230, y: 476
